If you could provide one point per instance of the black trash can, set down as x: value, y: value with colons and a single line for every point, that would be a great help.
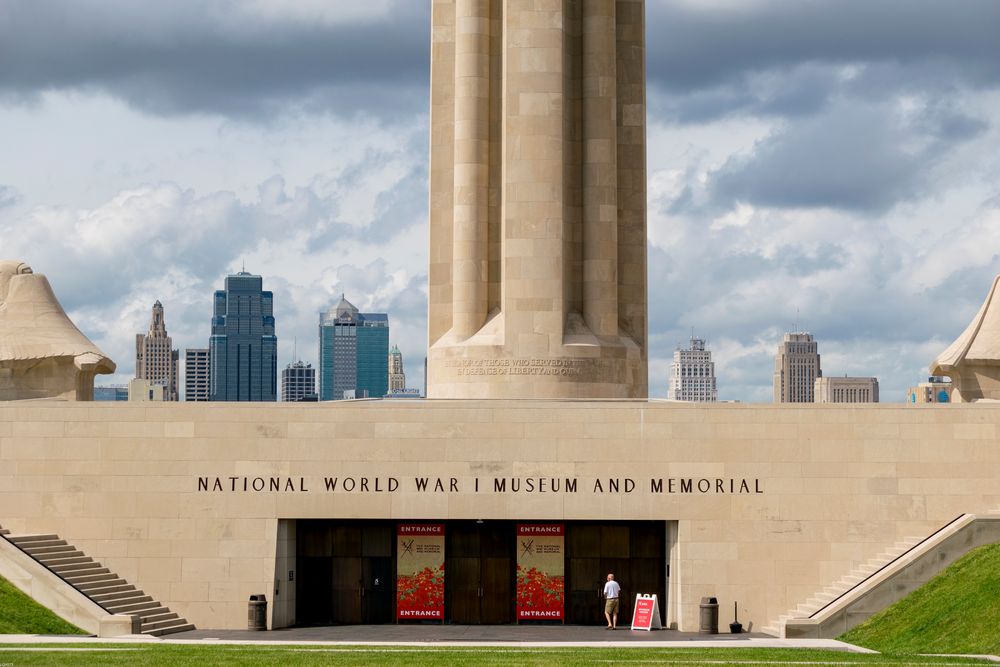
x: 257, y: 612
x: 709, y: 609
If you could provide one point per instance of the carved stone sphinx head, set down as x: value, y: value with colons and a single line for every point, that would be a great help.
x: 8, y: 269
x: 43, y: 355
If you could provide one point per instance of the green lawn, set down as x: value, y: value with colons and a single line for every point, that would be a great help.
x: 19, y: 614
x: 956, y: 612
x: 181, y: 656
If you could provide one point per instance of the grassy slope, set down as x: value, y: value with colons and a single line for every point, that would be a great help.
x: 958, y: 611
x: 19, y: 614
x: 345, y: 656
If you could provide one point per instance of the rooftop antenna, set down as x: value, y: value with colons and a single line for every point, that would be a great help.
x: 295, y: 348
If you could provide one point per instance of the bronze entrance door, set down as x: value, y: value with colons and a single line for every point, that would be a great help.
x: 479, y: 572
x: 635, y: 551
x: 345, y: 573
x: 379, y: 584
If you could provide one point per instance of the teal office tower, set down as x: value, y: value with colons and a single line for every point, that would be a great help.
x: 243, y: 349
x: 353, y: 353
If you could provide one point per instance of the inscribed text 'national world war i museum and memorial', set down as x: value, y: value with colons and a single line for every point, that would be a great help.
x: 537, y: 465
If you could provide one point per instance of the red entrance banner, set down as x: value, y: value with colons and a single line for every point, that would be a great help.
x: 540, y: 571
x: 420, y: 571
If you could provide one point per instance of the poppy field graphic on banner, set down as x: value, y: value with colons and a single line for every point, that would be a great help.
x: 420, y: 571
x: 540, y: 571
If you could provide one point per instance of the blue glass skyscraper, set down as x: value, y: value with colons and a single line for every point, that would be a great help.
x: 353, y: 353
x: 243, y: 347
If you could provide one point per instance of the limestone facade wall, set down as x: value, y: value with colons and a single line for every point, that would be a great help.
x: 771, y: 503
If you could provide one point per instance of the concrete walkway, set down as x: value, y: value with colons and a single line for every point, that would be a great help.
x: 524, y: 636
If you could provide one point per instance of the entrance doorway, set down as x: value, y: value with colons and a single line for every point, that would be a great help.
x: 347, y: 572
x: 479, y: 572
x: 635, y: 551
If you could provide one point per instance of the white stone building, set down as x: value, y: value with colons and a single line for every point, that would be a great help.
x: 846, y: 390
x: 692, y: 374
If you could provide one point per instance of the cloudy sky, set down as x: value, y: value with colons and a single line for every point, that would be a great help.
x: 826, y: 165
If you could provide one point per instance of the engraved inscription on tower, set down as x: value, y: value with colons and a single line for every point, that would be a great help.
x: 538, y: 199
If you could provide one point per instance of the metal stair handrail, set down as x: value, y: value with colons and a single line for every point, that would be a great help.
x: 888, y: 564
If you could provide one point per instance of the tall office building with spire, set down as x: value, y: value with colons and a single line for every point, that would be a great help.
x: 692, y: 374
x: 397, y: 378
x: 796, y: 367
x: 353, y: 353
x: 243, y: 349
x: 155, y: 358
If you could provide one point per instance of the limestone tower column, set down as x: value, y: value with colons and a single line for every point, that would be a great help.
x: 537, y: 200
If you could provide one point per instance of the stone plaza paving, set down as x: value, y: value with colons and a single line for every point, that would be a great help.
x: 457, y: 636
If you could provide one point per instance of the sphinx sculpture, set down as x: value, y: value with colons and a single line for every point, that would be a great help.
x: 42, y: 353
x: 973, y: 360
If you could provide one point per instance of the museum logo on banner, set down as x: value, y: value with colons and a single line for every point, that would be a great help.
x: 540, y: 571
x: 420, y: 571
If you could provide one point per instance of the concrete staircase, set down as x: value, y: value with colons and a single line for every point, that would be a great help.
x: 98, y: 583
x: 842, y: 586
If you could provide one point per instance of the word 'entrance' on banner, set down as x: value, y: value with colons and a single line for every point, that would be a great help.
x: 540, y: 571
x: 646, y: 614
x: 420, y: 571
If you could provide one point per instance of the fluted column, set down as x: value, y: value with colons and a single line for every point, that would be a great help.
x: 600, y: 168
x: 534, y: 173
x: 470, y: 242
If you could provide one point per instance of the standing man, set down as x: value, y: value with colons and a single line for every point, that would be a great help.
x: 611, y: 592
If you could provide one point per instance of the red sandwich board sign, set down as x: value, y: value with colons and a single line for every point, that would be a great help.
x: 646, y: 613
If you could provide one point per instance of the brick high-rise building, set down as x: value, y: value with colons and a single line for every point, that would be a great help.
x: 796, y: 368
x: 155, y: 358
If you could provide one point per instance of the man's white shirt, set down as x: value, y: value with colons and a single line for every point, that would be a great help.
x: 612, y: 589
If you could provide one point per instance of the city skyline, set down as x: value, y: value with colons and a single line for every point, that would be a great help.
x: 822, y: 173
x: 881, y: 241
